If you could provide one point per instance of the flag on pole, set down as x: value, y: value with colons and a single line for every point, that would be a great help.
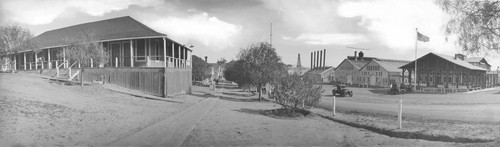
x: 422, y: 38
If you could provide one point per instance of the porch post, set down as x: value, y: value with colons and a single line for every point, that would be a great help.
x: 15, y: 62
x: 131, y: 54
x: 64, y: 57
x: 36, y: 61
x: 48, y: 58
x: 179, y: 59
x: 164, y: 52
x: 24, y: 60
x: 173, y: 55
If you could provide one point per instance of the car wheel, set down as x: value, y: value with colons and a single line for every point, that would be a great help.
x: 350, y: 94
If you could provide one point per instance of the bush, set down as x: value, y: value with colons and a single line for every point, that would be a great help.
x: 293, y: 91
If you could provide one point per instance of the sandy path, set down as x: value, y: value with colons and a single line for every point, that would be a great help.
x: 237, y: 121
x: 36, y: 112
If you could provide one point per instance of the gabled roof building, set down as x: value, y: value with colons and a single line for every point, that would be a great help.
x: 129, y: 43
x: 451, y: 72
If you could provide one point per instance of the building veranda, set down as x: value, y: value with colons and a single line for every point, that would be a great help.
x: 139, y: 57
x: 442, y: 73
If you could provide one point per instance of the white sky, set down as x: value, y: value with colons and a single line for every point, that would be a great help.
x: 219, y: 28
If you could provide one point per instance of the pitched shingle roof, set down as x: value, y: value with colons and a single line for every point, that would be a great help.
x: 390, y: 65
x: 451, y: 59
x: 358, y: 64
x: 110, y: 29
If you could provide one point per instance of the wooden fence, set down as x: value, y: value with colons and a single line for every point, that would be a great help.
x: 149, y: 80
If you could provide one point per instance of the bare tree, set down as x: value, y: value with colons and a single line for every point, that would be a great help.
x: 14, y: 38
x: 476, y: 22
x: 83, y: 48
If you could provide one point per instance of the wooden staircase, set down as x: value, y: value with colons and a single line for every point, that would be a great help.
x: 66, y: 73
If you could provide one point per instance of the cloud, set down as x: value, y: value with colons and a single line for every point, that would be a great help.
x: 36, y: 12
x: 328, y: 39
x: 306, y: 15
x: 208, y: 30
x: 393, y: 22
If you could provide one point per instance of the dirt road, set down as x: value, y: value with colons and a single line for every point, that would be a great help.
x: 237, y: 120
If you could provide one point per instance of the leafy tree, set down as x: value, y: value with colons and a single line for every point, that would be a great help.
x: 292, y: 91
x: 262, y: 63
x: 14, y: 38
x: 234, y: 72
x: 82, y: 48
x: 476, y: 22
x: 200, y: 69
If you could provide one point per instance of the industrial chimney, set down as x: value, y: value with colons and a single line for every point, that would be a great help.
x: 355, y: 55
x: 324, y: 58
x: 312, y: 60
x: 206, y: 59
x: 298, y: 61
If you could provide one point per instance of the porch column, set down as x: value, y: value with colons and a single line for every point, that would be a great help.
x: 64, y: 57
x: 164, y: 52
x: 48, y: 58
x: 24, y: 60
x: 131, y: 53
x: 179, y: 59
x: 173, y: 55
x: 403, y: 76
x: 409, y: 77
x: 36, y: 61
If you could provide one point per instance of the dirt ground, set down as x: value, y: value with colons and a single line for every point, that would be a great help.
x: 474, y: 107
x: 237, y: 120
x: 34, y: 111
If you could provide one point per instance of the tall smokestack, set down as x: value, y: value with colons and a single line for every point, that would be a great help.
x: 206, y: 59
x: 320, y: 58
x: 317, y: 59
x: 298, y: 61
x: 312, y: 60
x: 324, y: 58
x: 355, y: 55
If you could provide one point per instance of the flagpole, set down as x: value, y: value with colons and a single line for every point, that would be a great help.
x: 416, y: 42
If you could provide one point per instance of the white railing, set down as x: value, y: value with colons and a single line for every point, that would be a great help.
x: 171, y: 62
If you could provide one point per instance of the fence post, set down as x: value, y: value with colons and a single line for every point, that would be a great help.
x: 400, y: 114
x: 303, y: 101
x: 333, y: 109
x: 165, y: 82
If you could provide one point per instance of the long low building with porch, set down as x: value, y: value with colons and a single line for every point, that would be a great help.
x: 443, y: 73
x: 139, y: 57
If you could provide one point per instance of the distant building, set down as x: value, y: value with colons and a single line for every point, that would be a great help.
x: 458, y: 72
x: 381, y: 72
x: 321, y: 75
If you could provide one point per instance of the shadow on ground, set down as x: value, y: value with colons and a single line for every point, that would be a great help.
x: 379, y: 91
x: 277, y: 113
x: 239, y: 99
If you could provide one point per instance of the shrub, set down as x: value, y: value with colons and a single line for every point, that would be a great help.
x: 293, y: 91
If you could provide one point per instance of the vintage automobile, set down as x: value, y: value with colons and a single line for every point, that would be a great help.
x: 395, y: 89
x: 342, y: 91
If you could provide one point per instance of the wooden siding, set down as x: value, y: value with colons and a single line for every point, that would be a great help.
x: 178, y: 81
x: 149, y: 80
